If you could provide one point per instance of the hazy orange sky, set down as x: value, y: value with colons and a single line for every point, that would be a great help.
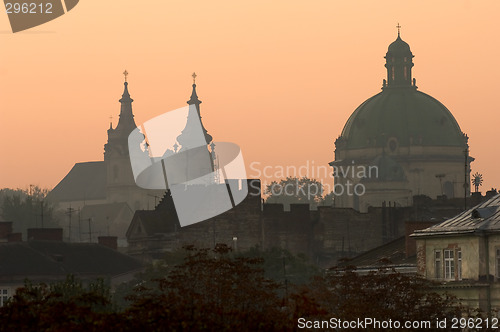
x: 279, y: 78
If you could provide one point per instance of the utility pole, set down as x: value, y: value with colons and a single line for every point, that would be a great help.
x: 69, y: 212
x: 90, y: 231
x: 79, y: 225
x: 41, y: 214
x: 466, y: 185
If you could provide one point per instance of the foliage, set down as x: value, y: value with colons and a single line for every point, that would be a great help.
x: 212, y: 290
x: 280, y: 265
x: 24, y: 208
x: 328, y: 199
x: 63, y: 306
x: 148, y: 278
x: 382, y: 295
x: 217, y: 290
x: 293, y: 190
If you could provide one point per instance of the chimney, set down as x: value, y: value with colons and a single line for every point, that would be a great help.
x: 45, y: 234
x: 15, y: 237
x: 108, y: 241
x: 5, y: 230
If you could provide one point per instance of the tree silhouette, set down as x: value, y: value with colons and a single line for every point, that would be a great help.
x: 295, y: 190
x: 212, y: 290
x: 25, y: 208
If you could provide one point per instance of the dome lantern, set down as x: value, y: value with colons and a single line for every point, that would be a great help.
x: 399, y: 62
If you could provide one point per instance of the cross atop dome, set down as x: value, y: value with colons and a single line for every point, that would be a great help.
x: 399, y: 28
x: 194, y: 77
x: 125, y: 73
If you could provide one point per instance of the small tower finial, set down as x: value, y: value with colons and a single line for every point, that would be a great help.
x: 194, y: 77
x: 125, y: 73
x: 399, y: 28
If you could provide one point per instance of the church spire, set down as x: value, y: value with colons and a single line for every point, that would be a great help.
x: 194, y: 97
x: 126, y: 120
x: 194, y: 115
x: 399, y: 63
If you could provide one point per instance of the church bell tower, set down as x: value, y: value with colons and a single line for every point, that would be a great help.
x: 120, y: 184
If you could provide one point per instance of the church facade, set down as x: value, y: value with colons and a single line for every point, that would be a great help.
x: 401, y: 143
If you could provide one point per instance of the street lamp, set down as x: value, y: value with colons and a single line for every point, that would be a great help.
x: 235, y: 243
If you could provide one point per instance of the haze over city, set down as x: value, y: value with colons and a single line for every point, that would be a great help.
x: 278, y: 78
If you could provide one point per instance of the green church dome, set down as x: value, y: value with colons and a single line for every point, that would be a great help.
x: 410, y: 116
x: 399, y: 45
x: 400, y: 115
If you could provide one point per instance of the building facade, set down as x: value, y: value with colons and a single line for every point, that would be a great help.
x: 462, y: 254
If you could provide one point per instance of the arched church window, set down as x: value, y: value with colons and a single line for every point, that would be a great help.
x: 392, y: 73
x: 406, y: 73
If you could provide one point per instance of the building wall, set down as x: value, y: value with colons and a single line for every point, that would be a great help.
x: 469, y: 246
x: 325, y: 235
x: 480, y: 285
x: 421, y: 164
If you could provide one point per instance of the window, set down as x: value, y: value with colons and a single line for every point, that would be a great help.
x: 438, y: 267
x: 392, y: 73
x: 4, y: 296
x: 459, y: 265
x: 498, y: 262
x: 449, y: 264
x: 406, y: 73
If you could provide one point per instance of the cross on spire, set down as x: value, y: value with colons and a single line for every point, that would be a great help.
x: 194, y: 78
x: 125, y: 73
x: 399, y: 28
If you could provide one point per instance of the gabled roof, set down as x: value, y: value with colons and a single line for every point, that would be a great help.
x: 48, y: 259
x: 390, y: 254
x: 85, y: 181
x: 481, y: 218
x: 163, y: 219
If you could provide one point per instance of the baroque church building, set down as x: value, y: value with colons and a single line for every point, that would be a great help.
x: 103, y: 194
x: 407, y: 142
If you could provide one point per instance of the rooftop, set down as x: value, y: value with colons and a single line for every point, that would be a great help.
x: 484, y: 217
